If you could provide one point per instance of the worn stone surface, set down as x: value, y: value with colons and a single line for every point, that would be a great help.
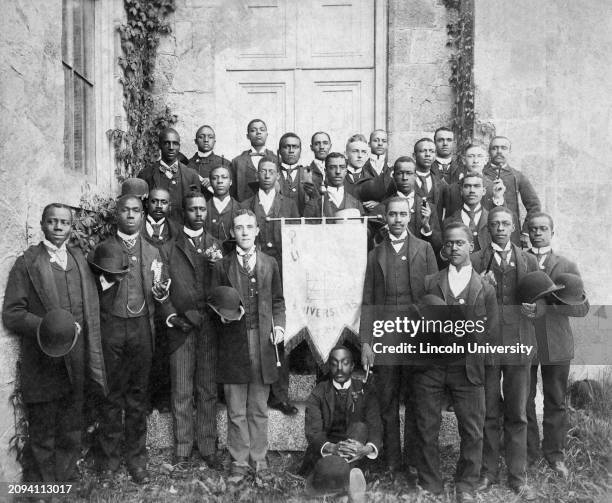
x: 540, y: 75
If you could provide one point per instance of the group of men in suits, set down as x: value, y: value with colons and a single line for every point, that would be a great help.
x: 448, y: 234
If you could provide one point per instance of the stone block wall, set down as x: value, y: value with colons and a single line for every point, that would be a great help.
x: 542, y: 74
x: 419, y: 95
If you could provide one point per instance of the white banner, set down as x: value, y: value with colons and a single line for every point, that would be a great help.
x: 323, y: 271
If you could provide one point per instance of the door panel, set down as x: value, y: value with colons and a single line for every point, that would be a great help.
x: 336, y: 34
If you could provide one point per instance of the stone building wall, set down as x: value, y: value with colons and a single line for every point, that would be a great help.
x: 32, y: 170
x: 542, y: 74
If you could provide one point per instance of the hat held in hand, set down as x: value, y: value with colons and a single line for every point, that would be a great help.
x: 57, y: 333
x: 134, y: 187
x: 330, y: 476
x: 573, y: 293
x: 535, y: 285
x: 109, y: 257
x: 225, y: 301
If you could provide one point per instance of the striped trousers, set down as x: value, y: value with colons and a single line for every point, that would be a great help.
x: 192, y: 366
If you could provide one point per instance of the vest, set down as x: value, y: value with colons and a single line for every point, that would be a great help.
x: 250, y: 295
x: 163, y: 238
x: 200, y: 280
x: 130, y: 300
x: 175, y: 187
x: 290, y: 189
x: 266, y: 238
x: 398, y: 292
x: 217, y: 225
x: 506, y: 278
x: 69, y: 292
x: 459, y: 300
x: 337, y: 431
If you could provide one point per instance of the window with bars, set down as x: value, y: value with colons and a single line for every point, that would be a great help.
x: 78, y: 62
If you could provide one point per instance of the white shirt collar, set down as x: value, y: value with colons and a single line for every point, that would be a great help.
x: 152, y: 221
x: 541, y: 251
x: 346, y: 385
x: 51, y: 247
x: 355, y: 171
x: 478, y: 208
x: 288, y: 166
x: 496, y: 247
x: 253, y: 151
x: 319, y: 164
x: 175, y: 163
x: 221, y: 204
x: 403, y: 235
x: 127, y: 237
x: 205, y: 154
x: 458, y: 280
x: 191, y: 233
x: 446, y: 161
x: 242, y: 252
x: 336, y: 194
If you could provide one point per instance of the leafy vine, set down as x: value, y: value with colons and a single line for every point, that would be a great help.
x: 461, y: 39
x: 140, y: 35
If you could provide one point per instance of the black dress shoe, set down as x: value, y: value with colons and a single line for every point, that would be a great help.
x: 484, y: 484
x: 140, y: 476
x: 285, y: 407
x: 213, y: 462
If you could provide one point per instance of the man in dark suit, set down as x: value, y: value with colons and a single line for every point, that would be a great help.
x: 394, y: 280
x: 295, y: 181
x: 474, y: 159
x: 504, y: 265
x: 342, y: 416
x: 429, y: 186
x: 244, y: 166
x: 357, y: 154
x: 127, y: 311
x: 269, y: 203
x: 462, y: 374
x: 555, y: 351
x: 191, y: 338
x: 472, y: 213
x: 320, y: 144
x: 446, y: 166
x: 335, y: 197
x: 378, y: 162
x: 204, y: 160
x: 246, y: 356
x: 170, y: 174
x: 50, y: 276
x: 514, y: 185
x: 222, y: 207
x: 158, y: 229
x: 423, y: 222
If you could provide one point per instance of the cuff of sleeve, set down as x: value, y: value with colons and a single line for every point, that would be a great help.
x: 168, y: 320
x: 105, y: 284
x: 280, y: 328
x: 372, y: 455
x: 426, y: 233
x: 323, y: 453
x: 498, y: 201
x: 161, y: 299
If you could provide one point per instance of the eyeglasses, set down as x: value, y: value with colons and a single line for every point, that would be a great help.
x: 460, y: 243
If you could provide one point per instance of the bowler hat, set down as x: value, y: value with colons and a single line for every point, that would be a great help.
x: 573, y: 293
x: 374, y: 189
x: 535, y: 285
x: 331, y: 475
x: 57, y: 333
x: 225, y: 301
x: 109, y: 257
x: 134, y: 187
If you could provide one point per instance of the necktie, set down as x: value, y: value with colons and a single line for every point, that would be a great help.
x: 541, y: 258
x: 129, y: 243
x: 423, y: 179
x: 196, y: 241
x: 169, y: 170
x: 397, y: 241
x: 504, y: 256
x: 156, y: 230
x: 472, y: 223
x: 246, y: 262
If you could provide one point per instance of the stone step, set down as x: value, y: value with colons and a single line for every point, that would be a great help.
x: 300, y: 386
x: 285, y: 433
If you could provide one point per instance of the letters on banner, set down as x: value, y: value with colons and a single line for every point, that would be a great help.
x: 323, y: 272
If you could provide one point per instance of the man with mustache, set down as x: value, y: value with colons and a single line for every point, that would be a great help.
x: 320, y: 144
x: 342, y: 417
x: 191, y: 338
x: 514, y: 184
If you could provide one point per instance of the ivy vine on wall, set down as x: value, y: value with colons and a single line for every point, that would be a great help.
x: 461, y: 40
x: 140, y: 35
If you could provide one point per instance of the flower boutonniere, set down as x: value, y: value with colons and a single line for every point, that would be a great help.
x: 213, y: 253
x: 156, y: 268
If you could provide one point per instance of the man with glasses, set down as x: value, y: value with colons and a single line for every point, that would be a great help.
x: 458, y: 285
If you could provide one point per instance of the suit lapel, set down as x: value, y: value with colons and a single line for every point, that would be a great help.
x: 330, y: 400
x: 475, y: 287
x: 275, y: 209
x: 262, y: 273
x: 181, y: 244
x: 41, y: 275
x: 444, y: 286
x: 231, y: 269
x: 381, y: 257
x: 551, y: 263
